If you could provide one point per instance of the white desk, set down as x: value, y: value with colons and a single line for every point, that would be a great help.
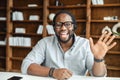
x: 6, y: 75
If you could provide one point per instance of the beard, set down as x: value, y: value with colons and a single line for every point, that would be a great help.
x: 71, y: 34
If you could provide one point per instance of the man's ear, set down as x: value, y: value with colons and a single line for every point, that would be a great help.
x: 75, y: 27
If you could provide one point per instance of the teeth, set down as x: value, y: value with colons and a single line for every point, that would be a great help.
x: 63, y: 33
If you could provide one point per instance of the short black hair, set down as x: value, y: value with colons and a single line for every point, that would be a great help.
x: 66, y: 12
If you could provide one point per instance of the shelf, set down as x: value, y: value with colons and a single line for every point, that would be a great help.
x: 2, y: 57
x: 113, y: 21
x: 98, y: 36
x: 2, y: 33
x: 2, y: 20
x: 113, y: 68
x: 2, y: 8
x: 16, y: 58
x: 24, y: 47
x: 26, y: 8
x: 117, y: 37
x: 67, y: 7
x: 82, y: 36
x: 2, y: 69
x: 114, y: 52
x: 15, y: 70
x: 95, y: 36
x: 28, y: 21
x: 2, y: 45
x: 106, y: 5
x: 26, y: 34
x: 80, y: 20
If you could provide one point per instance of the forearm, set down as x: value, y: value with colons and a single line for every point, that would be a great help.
x: 99, y: 69
x: 38, y: 70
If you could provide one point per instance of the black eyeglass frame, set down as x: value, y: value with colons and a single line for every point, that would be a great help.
x: 60, y: 24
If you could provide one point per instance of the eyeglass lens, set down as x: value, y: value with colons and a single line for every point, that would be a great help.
x: 66, y: 24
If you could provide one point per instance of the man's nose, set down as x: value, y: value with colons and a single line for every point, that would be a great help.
x: 63, y: 26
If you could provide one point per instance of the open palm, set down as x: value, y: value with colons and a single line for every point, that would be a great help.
x: 101, y: 47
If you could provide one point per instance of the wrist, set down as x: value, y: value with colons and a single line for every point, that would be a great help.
x: 98, y: 60
x: 51, y: 71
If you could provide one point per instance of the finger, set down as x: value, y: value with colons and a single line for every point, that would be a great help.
x: 67, y: 75
x: 112, y: 45
x: 102, y: 36
x: 91, y: 42
x: 110, y: 40
x: 107, y: 37
x: 63, y: 76
x: 70, y: 73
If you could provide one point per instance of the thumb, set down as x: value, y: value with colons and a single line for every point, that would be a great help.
x: 91, y: 42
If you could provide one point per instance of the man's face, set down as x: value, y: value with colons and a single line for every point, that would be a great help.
x: 64, y: 27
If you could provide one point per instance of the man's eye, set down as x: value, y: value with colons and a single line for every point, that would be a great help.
x: 67, y: 24
x: 58, y: 24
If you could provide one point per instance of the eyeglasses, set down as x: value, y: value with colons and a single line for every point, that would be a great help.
x: 67, y: 24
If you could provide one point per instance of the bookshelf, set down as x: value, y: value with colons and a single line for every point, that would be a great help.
x: 3, y: 33
x: 98, y: 14
x: 30, y: 13
x: 90, y: 22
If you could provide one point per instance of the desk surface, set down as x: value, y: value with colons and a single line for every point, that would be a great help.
x: 6, y: 75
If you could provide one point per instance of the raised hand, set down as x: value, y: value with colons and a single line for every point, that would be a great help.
x: 104, y: 44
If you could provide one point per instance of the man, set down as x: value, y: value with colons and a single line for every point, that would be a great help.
x: 65, y: 54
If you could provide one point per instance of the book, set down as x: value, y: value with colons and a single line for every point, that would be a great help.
x: 40, y: 29
x: 94, y: 2
x: 50, y: 29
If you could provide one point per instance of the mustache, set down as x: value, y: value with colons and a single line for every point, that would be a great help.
x: 70, y: 31
x: 71, y: 35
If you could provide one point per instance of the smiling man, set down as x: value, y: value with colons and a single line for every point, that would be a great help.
x: 65, y: 54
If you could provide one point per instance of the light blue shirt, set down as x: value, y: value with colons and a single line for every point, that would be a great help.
x: 78, y: 59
